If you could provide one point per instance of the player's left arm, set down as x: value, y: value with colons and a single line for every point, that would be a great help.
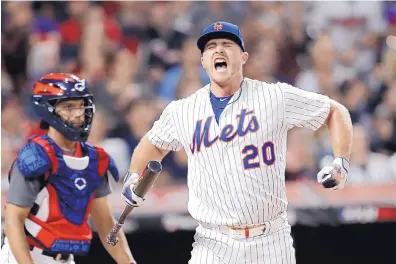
x: 312, y: 110
x: 340, y: 128
x: 104, y: 221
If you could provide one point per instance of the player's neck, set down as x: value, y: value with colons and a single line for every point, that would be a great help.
x: 227, y: 89
x: 61, y: 141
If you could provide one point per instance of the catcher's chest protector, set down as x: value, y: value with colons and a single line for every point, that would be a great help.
x: 58, y: 219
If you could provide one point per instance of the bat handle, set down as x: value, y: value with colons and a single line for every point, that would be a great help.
x: 112, y: 238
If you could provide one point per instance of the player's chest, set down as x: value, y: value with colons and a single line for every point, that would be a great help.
x: 241, y: 122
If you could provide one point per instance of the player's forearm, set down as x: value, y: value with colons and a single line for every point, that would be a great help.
x: 143, y: 153
x: 14, y: 230
x: 120, y: 252
x: 340, y: 127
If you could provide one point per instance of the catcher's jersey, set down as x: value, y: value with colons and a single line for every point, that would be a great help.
x: 236, y: 167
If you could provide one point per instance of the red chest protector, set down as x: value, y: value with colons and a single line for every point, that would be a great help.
x: 58, y: 220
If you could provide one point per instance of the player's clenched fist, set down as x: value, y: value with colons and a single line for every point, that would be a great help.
x: 127, y: 190
x: 334, y: 176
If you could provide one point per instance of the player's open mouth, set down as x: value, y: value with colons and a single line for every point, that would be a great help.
x: 220, y: 65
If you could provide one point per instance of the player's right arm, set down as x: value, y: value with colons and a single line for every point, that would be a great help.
x: 21, y: 195
x: 14, y: 223
x: 26, y: 180
x: 145, y: 152
x: 155, y: 145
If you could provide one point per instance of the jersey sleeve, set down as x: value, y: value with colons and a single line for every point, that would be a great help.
x: 22, y: 190
x: 104, y: 188
x: 304, y: 109
x: 163, y: 134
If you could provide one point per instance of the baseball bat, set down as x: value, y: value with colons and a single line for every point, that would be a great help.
x: 144, y: 183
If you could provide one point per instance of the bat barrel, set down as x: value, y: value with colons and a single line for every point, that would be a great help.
x: 140, y: 189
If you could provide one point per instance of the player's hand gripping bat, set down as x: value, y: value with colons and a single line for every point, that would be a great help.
x: 146, y: 180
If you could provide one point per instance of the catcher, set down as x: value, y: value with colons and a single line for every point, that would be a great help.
x: 58, y: 180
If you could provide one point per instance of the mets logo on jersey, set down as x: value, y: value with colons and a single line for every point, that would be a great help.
x: 228, y: 132
x: 250, y: 152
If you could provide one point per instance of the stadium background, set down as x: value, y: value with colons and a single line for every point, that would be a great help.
x: 138, y: 56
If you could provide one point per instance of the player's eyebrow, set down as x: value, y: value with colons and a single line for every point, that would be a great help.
x: 71, y: 103
x: 211, y: 42
x: 228, y: 42
x: 217, y: 42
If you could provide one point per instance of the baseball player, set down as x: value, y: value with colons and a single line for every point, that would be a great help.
x: 58, y: 180
x: 234, y: 131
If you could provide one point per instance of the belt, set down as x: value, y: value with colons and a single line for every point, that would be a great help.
x: 56, y: 256
x: 240, y: 232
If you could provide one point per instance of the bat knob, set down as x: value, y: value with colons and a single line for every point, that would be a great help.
x: 112, y: 240
x: 154, y: 166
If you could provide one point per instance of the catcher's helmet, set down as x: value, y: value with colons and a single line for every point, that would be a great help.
x: 221, y: 29
x: 53, y: 87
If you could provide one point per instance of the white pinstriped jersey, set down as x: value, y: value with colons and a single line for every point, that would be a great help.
x: 236, y: 168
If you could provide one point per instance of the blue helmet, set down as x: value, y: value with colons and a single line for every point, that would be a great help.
x: 53, y: 87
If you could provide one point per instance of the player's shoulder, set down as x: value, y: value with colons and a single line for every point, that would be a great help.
x: 264, y: 86
x: 105, y: 162
x: 284, y: 86
x: 202, y: 92
x: 33, y: 160
x: 90, y: 145
x: 191, y: 99
x: 100, y: 152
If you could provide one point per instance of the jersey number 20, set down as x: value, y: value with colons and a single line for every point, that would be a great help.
x: 251, y: 153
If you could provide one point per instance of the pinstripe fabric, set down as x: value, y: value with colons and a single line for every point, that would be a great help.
x: 222, y: 190
x: 236, y: 167
x: 212, y: 247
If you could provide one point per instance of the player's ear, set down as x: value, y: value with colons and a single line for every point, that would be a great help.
x: 245, y: 57
x: 202, y: 62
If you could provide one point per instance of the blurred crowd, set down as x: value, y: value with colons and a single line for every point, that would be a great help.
x: 138, y: 56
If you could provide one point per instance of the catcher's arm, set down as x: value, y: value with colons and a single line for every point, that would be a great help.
x: 15, y: 217
x: 20, y: 198
x: 103, y: 221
